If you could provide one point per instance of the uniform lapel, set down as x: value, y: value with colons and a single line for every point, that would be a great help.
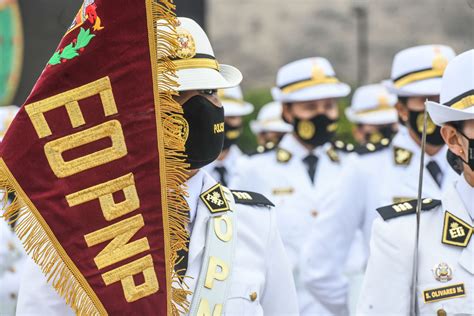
x: 198, y: 235
x: 453, y: 204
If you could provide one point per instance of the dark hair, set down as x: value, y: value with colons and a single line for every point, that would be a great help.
x: 403, y: 100
x: 458, y: 125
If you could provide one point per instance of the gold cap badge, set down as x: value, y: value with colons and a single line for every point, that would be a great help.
x: 186, y: 45
x: 317, y: 73
x: 440, y: 61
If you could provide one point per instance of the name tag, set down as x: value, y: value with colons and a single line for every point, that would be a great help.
x: 283, y: 191
x: 443, y: 293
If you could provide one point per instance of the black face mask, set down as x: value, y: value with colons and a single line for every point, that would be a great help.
x: 433, y: 135
x: 470, y: 152
x: 206, y: 131
x: 231, y: 135
x: 386, y: 131
x: 316, y: 131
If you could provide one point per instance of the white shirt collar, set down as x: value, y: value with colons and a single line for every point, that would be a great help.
x: 194, y: 188
x: 291, y: 144
x: 229, y: 161
x: 466, y: 192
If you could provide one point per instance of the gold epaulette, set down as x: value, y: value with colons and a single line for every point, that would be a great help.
x: 405, y: 208
x: 250, y: 198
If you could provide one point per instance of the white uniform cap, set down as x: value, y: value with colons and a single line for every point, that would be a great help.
x: 197, y: 67
x: 270, y: 119
x: 233, y: 101
x: 417, y: 71
x: 308, y: 79
x: 372, y: 104
x: 457, y: 92
x: 7, y: 114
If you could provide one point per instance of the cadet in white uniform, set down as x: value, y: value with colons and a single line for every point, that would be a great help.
x: 445, y: 265
x: 236, y: 264
x: 12, y: 258
x: 11, y: 251
x: 223, y: 168
x: 383, y: 177
x: 301, y: 172
x: 269, y: 127
x: 373, y: 113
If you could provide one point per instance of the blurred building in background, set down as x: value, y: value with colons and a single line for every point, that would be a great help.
x: 360, y: 37
x: 259, y: 36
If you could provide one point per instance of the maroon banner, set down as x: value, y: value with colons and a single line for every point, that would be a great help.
x: 86, y: 156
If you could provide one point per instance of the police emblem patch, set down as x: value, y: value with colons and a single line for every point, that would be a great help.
x: 443, y: 272
x: 215, y: 200
x: 306, y: 129
x: 456, y: 232
x: 430, y: 125
x: 177, y: 131
x: 186, y: 45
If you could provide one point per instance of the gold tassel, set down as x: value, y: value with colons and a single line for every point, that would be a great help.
x: 43, y: 249
x: 41, y: 244
x: 169, y: 121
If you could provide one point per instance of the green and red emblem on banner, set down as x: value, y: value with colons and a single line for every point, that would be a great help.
x: 11, y: 49
x: 96, y: 164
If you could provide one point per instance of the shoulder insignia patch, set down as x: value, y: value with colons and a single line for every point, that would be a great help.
x: 456, y: 232
x: 402, y: 156
x: 405, y: 208
x: 215, y: 200
x: 250, y: 198
x: 372, y: 147
x: 332, y: 154
x: 283, y: 155
x: 342, y: 146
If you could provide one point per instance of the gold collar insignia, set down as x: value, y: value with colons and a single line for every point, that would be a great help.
x: 333, y: 155
x: 283, y: 155
x: 402, y: 156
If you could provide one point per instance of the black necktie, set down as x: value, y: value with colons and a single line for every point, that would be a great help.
x: 222, y: 171
x: 311, y: 161
x: 435, y: 172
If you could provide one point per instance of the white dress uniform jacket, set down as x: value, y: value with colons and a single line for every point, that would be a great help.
x: 260, y: 264
x: 367, y: 182
x: 445, y: 271
x: 234, y: 156
x: 283, y: 177
x: 11, y: 261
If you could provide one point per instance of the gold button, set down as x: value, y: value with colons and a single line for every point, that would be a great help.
x: 385, y: 141
x: 253, y: 296
x: 370, y: 147
x: 427, y: 201
x: 441, y: 312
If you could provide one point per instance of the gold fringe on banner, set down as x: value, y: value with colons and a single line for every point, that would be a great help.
x: 40, y: 242
x: 171, y: 129
x: 43, y: 247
